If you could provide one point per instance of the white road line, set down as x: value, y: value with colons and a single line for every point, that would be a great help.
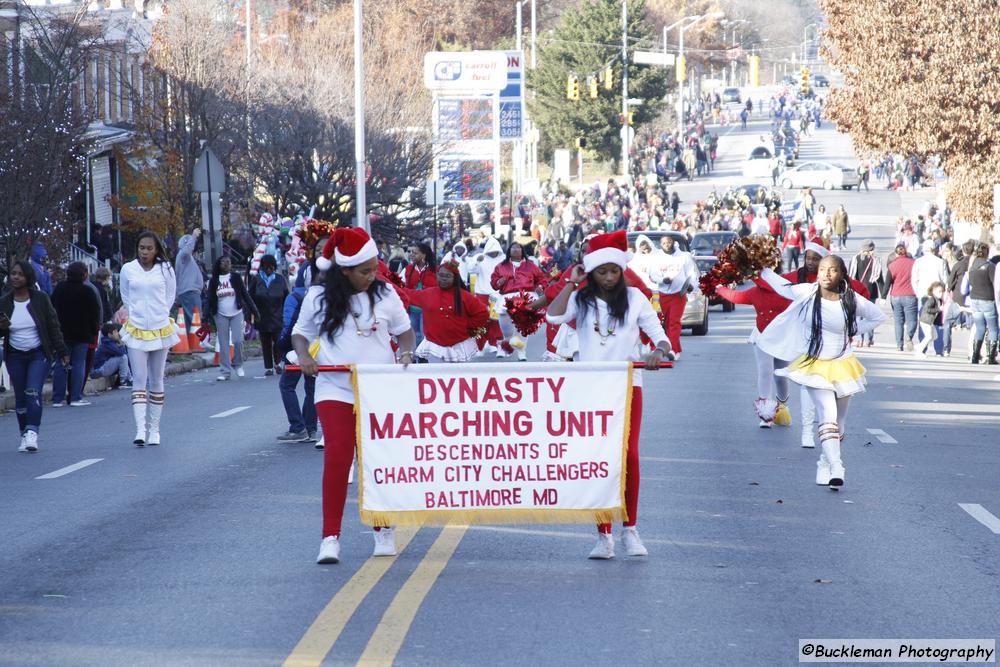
x: 228, y: 413
x: 983, y: 516
x: 68, y: 469
x: 883, y: 436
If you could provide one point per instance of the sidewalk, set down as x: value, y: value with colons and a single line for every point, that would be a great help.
x: 177, y: 364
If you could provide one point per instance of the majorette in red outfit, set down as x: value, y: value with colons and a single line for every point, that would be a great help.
x: 453, y: 318
x: 354, y: 317
x: 610, y: 318
x: 515, y: 275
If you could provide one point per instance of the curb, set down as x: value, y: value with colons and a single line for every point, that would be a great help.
x: 100, y: 385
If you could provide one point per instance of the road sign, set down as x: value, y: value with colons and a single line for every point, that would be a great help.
x: 209, y: 174
x: 435, y: 193
x: 453, y: 71
x: 512, y: 98
x: 653, y: 58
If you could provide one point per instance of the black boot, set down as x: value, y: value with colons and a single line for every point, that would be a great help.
x: 993, y: 354
x: 977, y: 351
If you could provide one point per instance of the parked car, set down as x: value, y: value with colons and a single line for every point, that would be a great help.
x: 758, y: 163
x: 826, y: 175
x: 789, y: 80
x: 819, y: 81
x: 710, y: 244
x: 705, y: 264
x: 731, y: 95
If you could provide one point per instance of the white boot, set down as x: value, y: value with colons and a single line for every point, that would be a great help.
x: 155, y: 410
x: 604, y: 549
x: 139, y: 413
x: 823, y: 471
x: 831, y: 449
x: 808, y: 420
x: 385, y: 542
x: 632, y: 542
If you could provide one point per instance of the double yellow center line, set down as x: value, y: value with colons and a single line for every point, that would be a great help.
x: 388, y: 637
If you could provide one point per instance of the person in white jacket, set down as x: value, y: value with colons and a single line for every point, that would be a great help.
x: 814, y: 333
x: 928, y: 269
x: 459, y: 254
x: 644, y: 259
x: 480, y: 273
x: 148, y: 289
x: 675, y: 274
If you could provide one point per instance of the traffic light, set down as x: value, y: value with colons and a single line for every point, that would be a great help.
x: 631, y: 118
x: 609, y: 78
x: 592, y: 85
x: 581, y: 143
x: 572, y: 88
x: 805, y: 81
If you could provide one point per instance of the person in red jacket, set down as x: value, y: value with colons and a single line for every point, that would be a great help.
x: 514, y: 275
x: 419, y: 274
x: 792, y: 247
x: 451, y: 316
x: 772, y: 391
x: 903, y: 297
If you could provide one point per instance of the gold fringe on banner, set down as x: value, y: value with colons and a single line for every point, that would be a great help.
x: 626, y: 432
x: 468, y: 517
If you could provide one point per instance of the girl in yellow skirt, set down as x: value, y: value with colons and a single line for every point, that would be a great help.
x: 148, y: 288
x: 815, y: 334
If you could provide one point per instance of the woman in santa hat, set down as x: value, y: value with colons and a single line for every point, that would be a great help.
x: 511, y: 277
x: 814, y: 333
x: 452, y: 317
x: 610, y: 318
x: 354, y: 315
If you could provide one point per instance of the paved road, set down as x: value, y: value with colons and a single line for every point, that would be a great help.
x: 200, y: 552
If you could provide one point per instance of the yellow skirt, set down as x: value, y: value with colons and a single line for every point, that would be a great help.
x: 149, y: 340
x: 844, y: 376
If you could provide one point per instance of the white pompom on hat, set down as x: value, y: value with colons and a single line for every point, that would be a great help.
x: 607, y: 249
x: 349, y: 246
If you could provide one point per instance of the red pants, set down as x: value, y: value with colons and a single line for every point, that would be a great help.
x: 671, y: 312
x: 340, y: 440
x: 631, y: 464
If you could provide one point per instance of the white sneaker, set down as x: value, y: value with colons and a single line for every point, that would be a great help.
x: 79, y: 404
x: 24, y: 444
x: 385, y: 542
x: 30, y: 441
x: 807, y: 439
x: 329, y: 550
x: 604, y: 549
x: 222, y: 377
x: 677, y: 355
x: 239, y: 372
x: 632, y: 542
x: 522, y: 354
x: 765, y: 424
x: 823, y: 471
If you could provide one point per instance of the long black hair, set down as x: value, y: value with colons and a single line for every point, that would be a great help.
x: 586, y: 297
x: 850, y: 309
x: 337, y: 293
x: 524, y: 252
x: 428, y: 254
x: 161, y: 253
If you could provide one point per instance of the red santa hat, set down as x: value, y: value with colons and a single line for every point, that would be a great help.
x: 349, y: 246
x: 607, y: 249
x: 815, y: 246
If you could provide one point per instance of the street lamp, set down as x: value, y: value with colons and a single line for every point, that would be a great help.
x: 691, y: 21
x: 360, y: 167
x: 805, y: 40
x: 733, y: 23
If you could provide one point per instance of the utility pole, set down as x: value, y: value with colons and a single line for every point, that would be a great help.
x: 625, y: 142
x: 360, y: 168
x: 534, y: 26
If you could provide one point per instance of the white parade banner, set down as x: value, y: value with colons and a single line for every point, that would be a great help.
x: 492, y: 443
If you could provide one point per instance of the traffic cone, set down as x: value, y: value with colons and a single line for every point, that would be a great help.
x: 182, y: 345
x: 192, y: 333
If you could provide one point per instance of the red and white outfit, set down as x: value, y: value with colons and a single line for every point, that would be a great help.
x: 446, y: 333
x: 480, y: 273
x: 601, y: 339
x: 364, y: 338
x: 511, y: 278
x: 673, y: 274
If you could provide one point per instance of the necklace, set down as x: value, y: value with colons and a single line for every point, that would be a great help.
x: 608, y: 333
x: 357, y: 326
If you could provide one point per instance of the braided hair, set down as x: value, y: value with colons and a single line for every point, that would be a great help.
x: 847, y: 304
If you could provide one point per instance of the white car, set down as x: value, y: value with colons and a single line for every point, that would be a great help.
x: 826, y: 175
x: 758, y: 163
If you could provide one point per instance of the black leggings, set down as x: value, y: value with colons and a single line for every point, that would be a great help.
x: 267, y: 347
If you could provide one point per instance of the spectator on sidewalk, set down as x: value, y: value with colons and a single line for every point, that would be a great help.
x: 930, y: 317
x: 32, y: 340
x: 981, y: 288
x: 78, y: 308
x: 841, y: 227
x: 229, y: 305
x: 867, y: 268
x: 102, y: 281
x: 956, y: 311
x: 927, y: 270
x: 190, y: 279
x: 902, y: 297
x: 111, y: 358
x: 268, y: 290
x: 39, y: 257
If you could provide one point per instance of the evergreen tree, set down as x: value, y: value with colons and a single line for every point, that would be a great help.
x: 587, y: 41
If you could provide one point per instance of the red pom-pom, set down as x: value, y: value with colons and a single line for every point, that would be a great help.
x: 526, y: 320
